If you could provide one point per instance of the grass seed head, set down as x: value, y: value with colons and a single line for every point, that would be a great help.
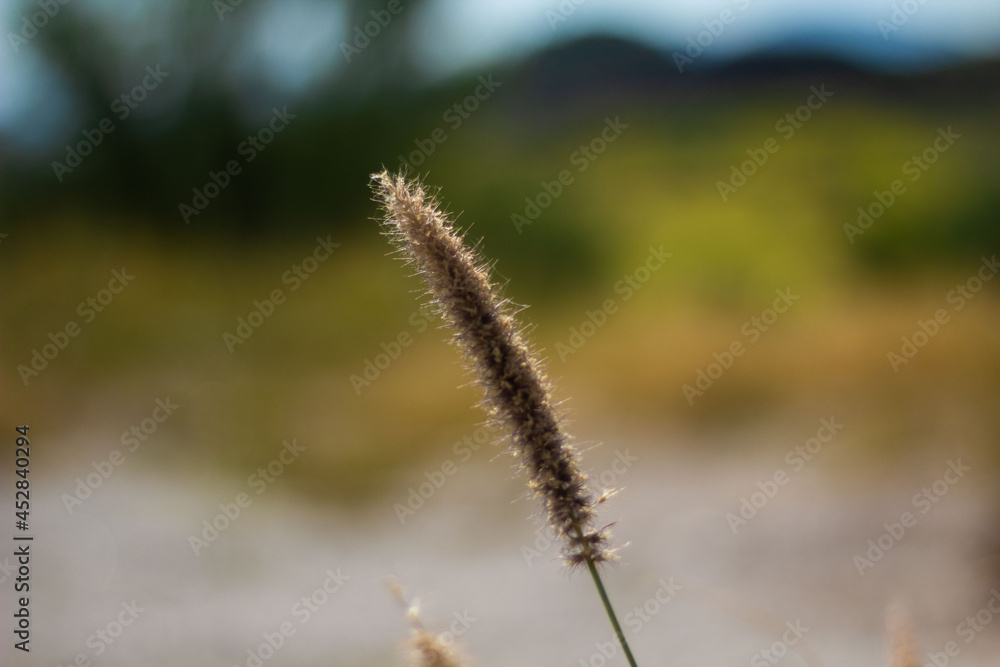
x: 516, y: 391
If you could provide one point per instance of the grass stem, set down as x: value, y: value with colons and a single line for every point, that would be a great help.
x: 611, y: 612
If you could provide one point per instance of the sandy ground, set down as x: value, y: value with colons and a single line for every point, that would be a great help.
x: 690, y: 591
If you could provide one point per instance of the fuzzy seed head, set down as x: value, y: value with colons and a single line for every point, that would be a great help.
x: 425, y: 648
x: 430, y: 651
x: 516, y: 392
x: 902, y: 652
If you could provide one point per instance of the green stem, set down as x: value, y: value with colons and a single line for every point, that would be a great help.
x: 611, y: 612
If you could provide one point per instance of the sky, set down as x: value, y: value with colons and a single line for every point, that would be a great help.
x: 461, y: 31
x: 299, y: 41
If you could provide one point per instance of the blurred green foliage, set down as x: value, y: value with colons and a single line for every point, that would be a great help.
x: 655, y: 185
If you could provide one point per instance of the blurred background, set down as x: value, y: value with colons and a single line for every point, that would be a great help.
x: 757, y: 239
